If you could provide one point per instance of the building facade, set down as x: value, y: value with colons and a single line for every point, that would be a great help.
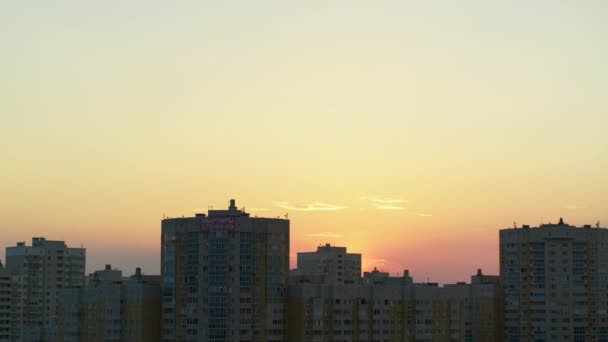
x: 555, y: 282
x: 41, y: 270
x: 6, y: 305
x: 224, y: 277
x: 141, y: 308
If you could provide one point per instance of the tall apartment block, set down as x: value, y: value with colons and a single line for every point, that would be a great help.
x: 331, y: 263
x: 555, y: 282
x: 111, y: 308
x: 224, y: 277
x: 41, y: 270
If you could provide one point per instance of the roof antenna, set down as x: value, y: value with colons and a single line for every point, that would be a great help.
x: 597, y: 224
x: 514, y: 225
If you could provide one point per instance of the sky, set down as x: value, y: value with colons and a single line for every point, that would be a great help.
x: 408, y: 131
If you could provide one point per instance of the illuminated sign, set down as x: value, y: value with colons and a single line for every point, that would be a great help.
x: 217, y: 223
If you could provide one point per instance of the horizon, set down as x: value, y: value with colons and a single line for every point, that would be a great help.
x: 418, y: 275
x: 407, y: 132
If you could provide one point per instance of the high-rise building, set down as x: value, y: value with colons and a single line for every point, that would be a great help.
x: 333, y: 264
x: 224, y: 277
x: 111, y: 308
x: 42, y: 269
x: 555, y: 282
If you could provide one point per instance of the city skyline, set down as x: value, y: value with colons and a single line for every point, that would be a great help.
x: 367, y: 264
x: 409, y: 132
x: 225, y: 276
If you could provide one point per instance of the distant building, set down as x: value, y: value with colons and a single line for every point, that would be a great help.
x: 459, y: 312
x: 141, y: 295
x: 225, y: 277
x: 100, y: 307
x: 486, y: 308
x: 352, y: 312
x: 41, y: 270
x: 384, y: 308
x: 330, y: 263
x: 111, y: 308
x: 555, y: 282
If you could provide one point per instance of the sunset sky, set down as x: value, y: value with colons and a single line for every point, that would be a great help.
x: 409, y: 131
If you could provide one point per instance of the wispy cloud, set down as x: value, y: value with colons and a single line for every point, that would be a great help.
x: 383, y: 200
x: 325, y: 235
x: 257, y: 209
x: 424, y: 215
x: 575, y: 207
x: 385, y: 203
x: 388, y: 207
x: 315, y: 206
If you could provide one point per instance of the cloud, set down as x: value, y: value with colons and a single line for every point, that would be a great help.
x: 388, y: 207
x: 325, y: 234
x: 424, y: 215
x: 315, y: 206
x: 385, y: 203
x: 257, y: 209
x: 575, y: 207
x: 383, y: 200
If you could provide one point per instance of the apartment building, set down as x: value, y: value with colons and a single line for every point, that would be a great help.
x: 331, y: 263
x: 6, y: 304
x: 224, y: 277
x: 111, y: 308
x: 555, y: 282
x: 385, y: 308
x: 41, y: 270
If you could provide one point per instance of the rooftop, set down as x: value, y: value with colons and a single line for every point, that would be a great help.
x: 559, y: 224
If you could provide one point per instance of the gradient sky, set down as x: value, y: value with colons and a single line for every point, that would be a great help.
x: 409, y: 131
